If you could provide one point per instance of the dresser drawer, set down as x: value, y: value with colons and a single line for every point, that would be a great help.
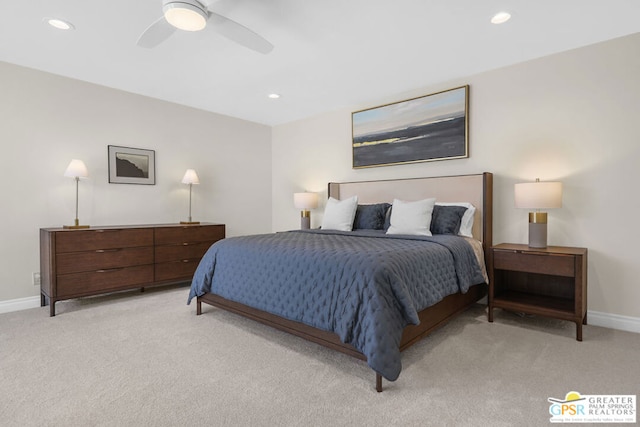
x: 177, y: 270
x: 101, y: 259
x: 105, y: 280
x: 181, y: 252
x: 533, y: 262
x: 188, y: 234
x: 86, y: 240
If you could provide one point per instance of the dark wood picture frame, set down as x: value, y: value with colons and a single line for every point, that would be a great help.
x: 131, y: 165
x: 428, y: 128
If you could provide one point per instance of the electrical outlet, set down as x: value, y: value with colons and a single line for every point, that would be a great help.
x: 36, y: 279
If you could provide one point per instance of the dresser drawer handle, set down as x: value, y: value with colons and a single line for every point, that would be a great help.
x: 185, y: 244
x: 186, y: 260
x: 109, y: 270
x: 102, y: 251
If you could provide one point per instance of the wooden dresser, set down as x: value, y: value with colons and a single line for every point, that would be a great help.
x: 80, y: 263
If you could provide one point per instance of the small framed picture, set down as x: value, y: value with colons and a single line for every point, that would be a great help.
x: 131, y: 165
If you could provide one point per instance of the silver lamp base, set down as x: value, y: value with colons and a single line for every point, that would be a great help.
x: 305, y: 220
x: 538, y: 230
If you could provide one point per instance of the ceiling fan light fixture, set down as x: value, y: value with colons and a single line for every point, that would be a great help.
x: 500, y: 18
x: 185, y: 15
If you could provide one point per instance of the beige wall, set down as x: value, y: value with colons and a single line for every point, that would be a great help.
x: 47, y: 120
x: 570, y: 117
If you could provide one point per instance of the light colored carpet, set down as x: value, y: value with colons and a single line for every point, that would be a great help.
x: 147, y: 359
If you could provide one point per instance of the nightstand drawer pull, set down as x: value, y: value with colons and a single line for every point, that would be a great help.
x: 542, y: 254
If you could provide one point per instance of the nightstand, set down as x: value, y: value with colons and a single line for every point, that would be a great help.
x: 549, y: 282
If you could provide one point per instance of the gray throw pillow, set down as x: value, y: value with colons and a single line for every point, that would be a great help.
x: 370, y: 217
x: 447, y: 219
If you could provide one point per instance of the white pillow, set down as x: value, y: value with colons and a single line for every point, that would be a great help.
x: 339, y: 214
x: 411, y: 217
x: 466, y: 223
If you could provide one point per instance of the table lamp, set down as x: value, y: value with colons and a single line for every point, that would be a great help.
x: 190, y: 177
x: 305, y: 201
x: 538, y: 195
x: 76, y: 170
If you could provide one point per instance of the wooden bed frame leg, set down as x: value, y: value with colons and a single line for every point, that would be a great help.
x: 199, y: 308
x: 379, y: 383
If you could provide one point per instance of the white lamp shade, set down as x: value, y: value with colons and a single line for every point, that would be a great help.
x: 76, y: 169
x: 305, y: 201
x: 538, y: 195
x: 185, y: 16
x: 190, y: 177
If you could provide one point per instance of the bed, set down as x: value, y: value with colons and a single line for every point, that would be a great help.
x: 351, y: 291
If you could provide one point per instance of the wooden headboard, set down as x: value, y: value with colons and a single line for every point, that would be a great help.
x: 476, y: 189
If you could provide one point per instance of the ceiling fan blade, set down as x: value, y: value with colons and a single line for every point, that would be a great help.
x: 239, y: 33
x: 156, y: 33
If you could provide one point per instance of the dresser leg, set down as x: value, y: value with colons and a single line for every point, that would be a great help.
x: 378, y: 383
x: 490, y: 314
x: 43, y: 300
x: 579, y: 331
x: 199, y: 307
x: 52, y: 307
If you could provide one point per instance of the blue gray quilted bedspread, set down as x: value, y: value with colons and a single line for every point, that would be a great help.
x: 365, y: 286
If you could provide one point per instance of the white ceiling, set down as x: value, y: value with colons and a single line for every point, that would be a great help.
x: 329, y: 54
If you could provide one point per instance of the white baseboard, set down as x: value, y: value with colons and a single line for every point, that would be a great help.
x: 19, y: 304
x: 614, y: 321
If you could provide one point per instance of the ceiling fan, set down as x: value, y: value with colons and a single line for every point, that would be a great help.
x: 192, y: 15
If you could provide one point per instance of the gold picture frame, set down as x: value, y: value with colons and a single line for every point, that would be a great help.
x: 427, y: 128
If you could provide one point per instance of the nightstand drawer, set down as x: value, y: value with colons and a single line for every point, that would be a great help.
x: 535, y: 262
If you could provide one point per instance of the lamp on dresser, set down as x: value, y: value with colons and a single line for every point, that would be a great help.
x: 538, y: 195
x: 305, y: 202
x: 190, y: 177
x: 76, y: 170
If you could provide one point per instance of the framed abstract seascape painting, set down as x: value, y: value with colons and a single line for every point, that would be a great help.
x: 428, y: 128
x: 131, y: 165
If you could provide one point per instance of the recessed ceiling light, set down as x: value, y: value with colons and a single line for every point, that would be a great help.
x: 274, y: 96
x: 500, y: 18
x: 59, y: 23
